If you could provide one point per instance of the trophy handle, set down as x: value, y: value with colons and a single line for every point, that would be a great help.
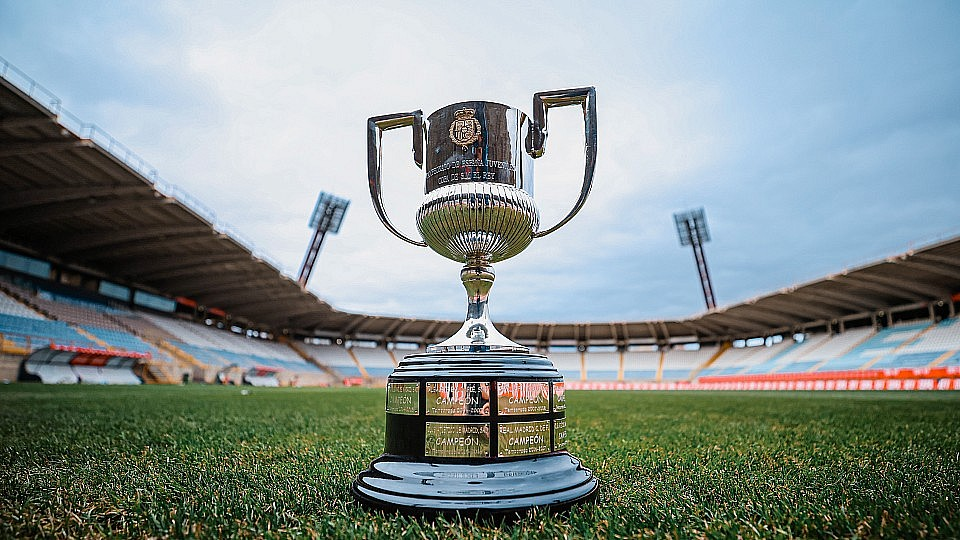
x: 536, y: 144
x: 375, y: 128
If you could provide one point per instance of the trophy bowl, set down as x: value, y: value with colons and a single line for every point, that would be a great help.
x: 478, y: 220
x: 477, y: 424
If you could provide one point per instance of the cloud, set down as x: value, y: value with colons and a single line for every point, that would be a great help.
x: 811, y: 141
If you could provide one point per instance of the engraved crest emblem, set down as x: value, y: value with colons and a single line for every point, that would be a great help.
x: 465, y: 129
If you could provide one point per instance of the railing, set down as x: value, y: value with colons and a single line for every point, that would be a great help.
x: 128, y: 157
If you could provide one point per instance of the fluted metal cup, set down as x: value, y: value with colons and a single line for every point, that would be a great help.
x: 478, y: 207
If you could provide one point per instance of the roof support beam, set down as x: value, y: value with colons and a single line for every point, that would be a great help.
x: 741, y: 322
x: 100, y: 240
x: 945, y: 259
x: 179, y: 265
x: 58, y: 211
x: 940, y: 269
x: 703, y: 328
x: 914, y: 285
x: 838, y: 298
x: 34, y: 197
x: 277, y: 299
x: 775, y: 314
x: 39, y: 147
x: 793, y: 306
x: 186, y: 287
x: 20, y: 122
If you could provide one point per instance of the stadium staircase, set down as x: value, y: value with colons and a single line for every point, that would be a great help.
x: 898, y: 348
x: 83, y: 332
x: 706, y: 365
x: 363, y: 370
x: 180, y: 355
x: 816, y: 367
x: 393, y: 358
x: 307, y: 357
x: 158, y: 373
x: 943, y: 358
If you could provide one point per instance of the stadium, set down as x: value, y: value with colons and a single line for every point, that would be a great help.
x: 101, y: 257
x: 130, y: 315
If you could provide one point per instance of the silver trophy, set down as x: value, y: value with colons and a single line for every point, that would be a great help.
x: 479, y: 206
x: 477, y: 423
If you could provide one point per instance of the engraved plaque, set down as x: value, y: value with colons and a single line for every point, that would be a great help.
x: 403, y: 398
x: 523, y: 398
x: 458, y: 398
x: 457, y: 440
x: 560, y: 434
x: 523, y: 438
x: 559, y: 402
x: 477, y: 142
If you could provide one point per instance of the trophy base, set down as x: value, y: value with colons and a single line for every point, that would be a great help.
x: 475, y: 433
x: 395, y: 483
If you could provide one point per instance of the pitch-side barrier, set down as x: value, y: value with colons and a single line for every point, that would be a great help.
x: 937, y: 378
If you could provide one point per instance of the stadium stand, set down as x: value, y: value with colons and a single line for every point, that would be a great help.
x: 567, y: 363
x: 376, y: 361
x: 938, y: 346
x: 336, y: 358
x: 34, y: 334
x: 602, y: 365
x: 641, y: 365
x: 824, y: 347
x: 89, y: 216
x: 738, y: 360
x: 876, y: 347
x: 10, y: 306
x: 679, y: 364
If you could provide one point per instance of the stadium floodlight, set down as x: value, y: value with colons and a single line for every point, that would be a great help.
x: 692, y: 230
x: 327, y: 217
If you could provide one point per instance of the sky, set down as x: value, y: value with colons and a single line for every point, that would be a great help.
x: 818, y: 136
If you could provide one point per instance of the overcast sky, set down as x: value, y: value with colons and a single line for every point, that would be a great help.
x: 817, y: 135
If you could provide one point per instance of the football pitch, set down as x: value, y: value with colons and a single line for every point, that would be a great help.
x: 155, y: 461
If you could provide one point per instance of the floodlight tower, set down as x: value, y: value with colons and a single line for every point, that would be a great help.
x: 692, y: 229
x: 327, y: 217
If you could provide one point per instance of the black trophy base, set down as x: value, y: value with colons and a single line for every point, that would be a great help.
x: 555, y: 482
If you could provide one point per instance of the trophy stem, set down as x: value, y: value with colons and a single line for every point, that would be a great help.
x: 477, y: 277
x: 478, y: 333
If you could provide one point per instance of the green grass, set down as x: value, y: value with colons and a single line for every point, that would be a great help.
x: 207, y: 461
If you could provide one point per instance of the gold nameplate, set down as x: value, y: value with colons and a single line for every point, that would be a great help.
x: 560, y: 434
x: 559, y: 402
x: 403, y: 398
x: 457, y: 440
x: 523, y: 398
x: 523, y: 438
x: 458, y: 398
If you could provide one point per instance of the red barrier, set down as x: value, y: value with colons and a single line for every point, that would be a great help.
x: 938, y: 378
x: 893, y: 373
x: 108, y: 353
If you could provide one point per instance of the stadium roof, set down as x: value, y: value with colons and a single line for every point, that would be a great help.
x: 75, y: 196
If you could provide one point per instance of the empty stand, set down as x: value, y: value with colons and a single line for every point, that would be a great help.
x: 375, y: 360
x: 678, y: 364
x: 335, y: 357
x: 567, y: 363
x: 875, y: 348
x: 641, y: 365
x: 602, y: 365
x: 737, y: 360
x: 938, y: 345
x: 11, y: 306
x: 33, y: 333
